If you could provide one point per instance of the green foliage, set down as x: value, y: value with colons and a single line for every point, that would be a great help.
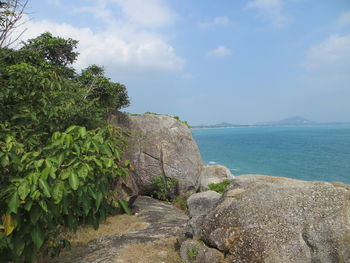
x: 192, y: 253
x: 165, y: 187
x: 220, y: 187
x: 181, y: 202
x: 58, y: 157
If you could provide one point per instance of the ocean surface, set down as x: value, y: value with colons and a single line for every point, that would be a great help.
x: 319, y: 153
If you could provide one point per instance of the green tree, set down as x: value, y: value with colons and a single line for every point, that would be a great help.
x: 58, y: 156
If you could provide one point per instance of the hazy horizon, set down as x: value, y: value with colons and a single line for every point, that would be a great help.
x: 209, y: 62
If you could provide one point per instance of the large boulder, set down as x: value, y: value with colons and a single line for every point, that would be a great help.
x: 158, y: 145
x: 213, y: 174
x: 202, y: 203
x: 272, y: 220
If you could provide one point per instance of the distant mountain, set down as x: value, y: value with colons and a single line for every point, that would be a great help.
x: 292, y: 121
x: 295, y: 120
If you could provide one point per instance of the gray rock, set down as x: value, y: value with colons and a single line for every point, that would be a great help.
x: 164, y: 221
x: 192, y: 251
x: 274, y: 220
x: 159, y: 145
x: 202, y: 203
x: 213, y: 174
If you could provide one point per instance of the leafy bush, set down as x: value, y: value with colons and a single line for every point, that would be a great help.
x: 166, y: 187
x: 58, y: 157
x: 219, y: 187
x: 64, y: 184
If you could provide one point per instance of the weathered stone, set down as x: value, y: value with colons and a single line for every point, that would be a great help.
x: 202, y: 203
x: 192, y: 251
x: 213, y: 174
x: 163, y: 223
x: 159, y: 145
x: 272, y: 220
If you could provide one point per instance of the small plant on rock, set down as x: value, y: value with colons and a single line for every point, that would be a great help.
x: 220, y: 187
x: 192, y: 253
x: 166, y: 187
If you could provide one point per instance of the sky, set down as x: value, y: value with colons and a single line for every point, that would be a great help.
x: 238, y: 61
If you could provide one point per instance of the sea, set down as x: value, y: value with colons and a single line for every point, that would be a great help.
x: 315, y: 153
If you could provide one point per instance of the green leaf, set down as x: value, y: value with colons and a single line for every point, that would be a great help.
x: 99, y: 198
x: 82, y: 132
x: 43, y: 206
x: 23, y: 189
x: 98, y: 162
x: 5, y: 161
x: 71, y: 128
x: 35, y: 214
x: 64, y: 174
x: 14, y: 203
x: 57, y: 192
x: 125, y: 206
x: 45, y: 173
x: 38, y: 236
x: 28, y: 205
x: 39, y: 163
x: 45, y: 187
x: 20, y: 244
x: 73, y: 181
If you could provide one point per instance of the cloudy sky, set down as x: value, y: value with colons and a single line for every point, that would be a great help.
x: 239, y: 61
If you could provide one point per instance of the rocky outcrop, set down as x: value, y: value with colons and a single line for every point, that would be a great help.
x: 153, y: 243
x: 213, y: 174
x: 264, y: 219
x: 158, y: 145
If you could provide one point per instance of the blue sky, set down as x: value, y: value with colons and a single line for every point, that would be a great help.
x: 211, y: 61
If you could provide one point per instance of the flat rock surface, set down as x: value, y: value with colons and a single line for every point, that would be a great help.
x: 153, y: 243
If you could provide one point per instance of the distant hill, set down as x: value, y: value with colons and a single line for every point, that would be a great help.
x: 292, y: 121
x: 295, y: 120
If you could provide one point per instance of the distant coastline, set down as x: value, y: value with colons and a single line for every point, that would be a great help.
x: 289, y: 122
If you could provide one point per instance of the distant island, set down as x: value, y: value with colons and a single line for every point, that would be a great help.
x: 292, y: 121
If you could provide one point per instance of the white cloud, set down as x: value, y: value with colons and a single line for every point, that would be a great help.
x: 220, y: 51
x: 344, y: 19
x: 147, y: 13
x: 216, y: 21
x: 271, y: 10
x: 332, y: 51
x: 115, y: 49
x: 124, y: 45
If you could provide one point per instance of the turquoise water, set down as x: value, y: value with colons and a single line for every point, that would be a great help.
x: 307, y: 153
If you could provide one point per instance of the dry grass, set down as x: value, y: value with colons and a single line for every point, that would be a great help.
x: 161, y: 251
x: 115, y: 225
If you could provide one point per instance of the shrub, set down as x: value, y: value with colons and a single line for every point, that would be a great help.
x: 58, y: 157
x: 165, y: 187
x: 220, y: 187
x: 63, y: 184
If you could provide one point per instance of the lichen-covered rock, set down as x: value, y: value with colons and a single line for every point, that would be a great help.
x: 202, y: 203
x: 192, y: 251
x: 264, y: 219
x: 159, y: 145
x: 213, y: 174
